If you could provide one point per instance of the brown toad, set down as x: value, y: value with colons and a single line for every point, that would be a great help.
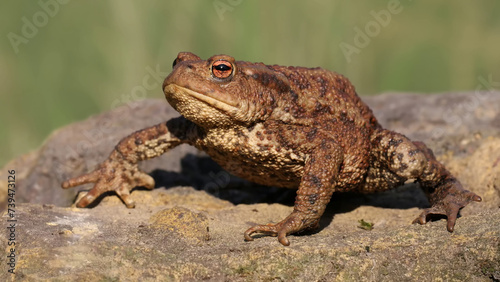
x: 281, y: 126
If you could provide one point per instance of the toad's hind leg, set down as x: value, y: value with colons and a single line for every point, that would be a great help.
x: 395, y: 159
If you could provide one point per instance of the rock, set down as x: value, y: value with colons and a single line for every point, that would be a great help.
x: 480, y: 171
x: 111, y: 242
x: 183, y: 222
x: 186, y: 233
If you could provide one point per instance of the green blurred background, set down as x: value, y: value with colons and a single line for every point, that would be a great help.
x: 82, y: 57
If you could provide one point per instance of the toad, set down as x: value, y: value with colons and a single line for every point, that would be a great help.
x: 293, y: 127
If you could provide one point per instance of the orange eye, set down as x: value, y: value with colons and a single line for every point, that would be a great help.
x: 222, y: 69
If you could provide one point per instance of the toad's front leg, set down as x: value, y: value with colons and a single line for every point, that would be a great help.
x: 315, y: 190
x: 120, y: 172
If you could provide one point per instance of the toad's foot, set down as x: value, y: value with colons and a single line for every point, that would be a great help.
x: 111, y: 175
x: 295, y: 222
x: 455, y: 199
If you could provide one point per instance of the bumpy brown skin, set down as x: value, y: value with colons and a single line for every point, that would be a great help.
x: 280, y: 126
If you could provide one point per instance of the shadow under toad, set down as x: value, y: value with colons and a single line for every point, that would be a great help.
x: 202, y: 173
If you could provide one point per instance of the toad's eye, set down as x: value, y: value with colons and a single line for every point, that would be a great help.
x: 222, y: 69
x: 175, y: 62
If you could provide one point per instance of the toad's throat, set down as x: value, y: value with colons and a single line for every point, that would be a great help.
x: 173, y: 89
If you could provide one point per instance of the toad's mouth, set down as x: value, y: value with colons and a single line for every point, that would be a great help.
x: 226, y: 106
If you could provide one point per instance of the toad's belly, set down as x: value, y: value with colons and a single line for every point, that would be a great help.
x: 273, y: 171
x: 262, y: 161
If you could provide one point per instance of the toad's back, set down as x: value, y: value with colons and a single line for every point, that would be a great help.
x: 318, y: 92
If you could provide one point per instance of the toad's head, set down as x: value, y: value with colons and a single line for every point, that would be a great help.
x: 222, y: 92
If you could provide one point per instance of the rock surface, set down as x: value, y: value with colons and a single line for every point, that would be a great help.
x: 193, y: 230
